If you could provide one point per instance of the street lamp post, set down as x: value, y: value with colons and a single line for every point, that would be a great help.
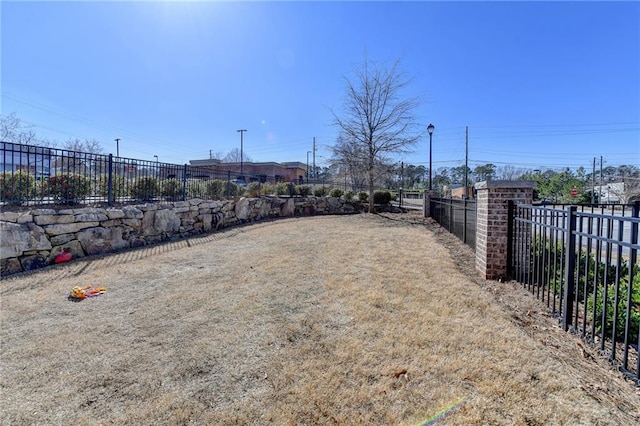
x: 117, y: 147
x: 241, y: 155
x: 430, y: 129
x: 308, y: 152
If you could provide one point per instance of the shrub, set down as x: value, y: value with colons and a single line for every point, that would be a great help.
x: 68, y: 188
x: 253, y: 189
x: 619, y: 322
x: 303, y: 190
x: 196, y: 189
x: 381, y: 197
x: 171, y: 188
x: 335, y: 192
x: 268, y: 189
x: 119, y: 185
x: 215, y: 189
x: 348, y: 195
x: 320, y: 191
x: 145, y: 188
x: 363, y: 196
x: 234, y: 190
x: 285, y: 188
x: 17, y: 186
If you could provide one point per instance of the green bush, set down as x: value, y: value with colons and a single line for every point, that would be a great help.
x: 584, y: 286
x: 171, y: 189
x: 285, y: 188
x: 215, y: 189
x: 381, y: 197
x: 119, y: 184
x: 68, y: 188
x: 619, y: 322
x: 348, y: 195
x: 336, y: 193
x: 268, y: 189
x: 363, y: 196
x: 196, y: 189
x: 254, y: 189
x: 303, y: 190
x: 145, y: 188
x: 17, y: 186
x: 320, y: 191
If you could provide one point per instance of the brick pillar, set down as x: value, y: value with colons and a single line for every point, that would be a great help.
x: 426, y: 200
x: 492, y: 223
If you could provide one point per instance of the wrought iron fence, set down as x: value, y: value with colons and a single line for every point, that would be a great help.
x: 582, y: 261
x: 33, y: 175
x: 458, y: 216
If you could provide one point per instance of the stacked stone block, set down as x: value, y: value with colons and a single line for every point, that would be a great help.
x: 32, y: 239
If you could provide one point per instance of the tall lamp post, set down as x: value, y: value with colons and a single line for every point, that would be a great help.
x: 157, y: 167
x: 241, y: 155
x: 117, y: 147
x: 430, y: 129
x: 308, y: 152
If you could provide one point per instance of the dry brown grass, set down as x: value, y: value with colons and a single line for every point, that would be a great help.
x: 326, y: 320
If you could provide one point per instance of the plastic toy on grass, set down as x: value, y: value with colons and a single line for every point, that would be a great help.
x: 80, y: 293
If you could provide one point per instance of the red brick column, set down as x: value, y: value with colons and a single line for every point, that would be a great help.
x: 492, y: 223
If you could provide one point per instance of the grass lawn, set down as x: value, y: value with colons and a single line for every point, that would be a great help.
x: 360, y: 319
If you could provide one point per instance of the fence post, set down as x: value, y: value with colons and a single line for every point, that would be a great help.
x: 492, y: 227
x: 464, y: 220
x: 570, y: 269
x: 110, y: 198
x: 426, y: 202
x: 633, y: 258
x: 184, y: 183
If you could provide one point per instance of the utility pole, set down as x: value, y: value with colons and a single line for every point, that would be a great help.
x: 600, y: 192
x: 314, y: 158
x: 466, y: 162
x: 593, y: 182
x: 210, y: 155
x: 241, y: 154
x: 117, y: 147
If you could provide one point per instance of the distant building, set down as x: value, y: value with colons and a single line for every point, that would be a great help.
x: 459, y: 192
x: 610, y: 193
x: 36, y: 160
x: 270, y: 172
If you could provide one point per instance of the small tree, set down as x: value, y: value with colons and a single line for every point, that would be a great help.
x: 377, y: 119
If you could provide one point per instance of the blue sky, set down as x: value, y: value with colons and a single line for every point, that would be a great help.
x: 540, y: 84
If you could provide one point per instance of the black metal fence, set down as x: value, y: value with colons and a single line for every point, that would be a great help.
x: 33, y: 175
x: 582, y: 261
x: 458, y: 216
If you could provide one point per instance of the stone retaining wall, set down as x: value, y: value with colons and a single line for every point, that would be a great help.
x: 32, y: 239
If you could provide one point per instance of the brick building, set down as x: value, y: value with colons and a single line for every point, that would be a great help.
x: 271, y: 172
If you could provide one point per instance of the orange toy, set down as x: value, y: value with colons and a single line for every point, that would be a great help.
x: 80, y: 293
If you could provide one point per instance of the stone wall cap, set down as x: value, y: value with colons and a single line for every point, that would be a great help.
x: 515, y: 184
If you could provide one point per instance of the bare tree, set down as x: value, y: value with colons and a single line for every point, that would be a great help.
x: 234, y: 156
x: 15, y: 130
x: 376, y: 117
x: 91, y: 146
x: 509, y: 172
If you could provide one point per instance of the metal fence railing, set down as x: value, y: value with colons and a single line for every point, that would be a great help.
x: 582, y: 261
x: 458, y: 216
x: 34, y: 175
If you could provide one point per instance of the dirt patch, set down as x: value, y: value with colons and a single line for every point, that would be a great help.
x: 364, y: 319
